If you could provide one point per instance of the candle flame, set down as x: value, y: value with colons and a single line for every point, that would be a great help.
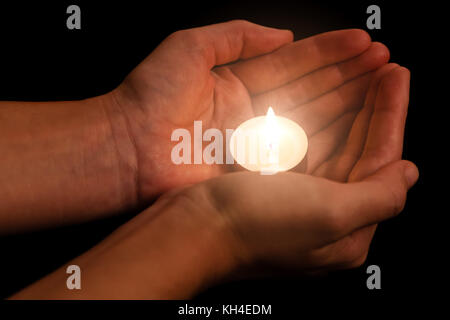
x: 272, y: 136
x: 271, y: 128
x: 270, y: 113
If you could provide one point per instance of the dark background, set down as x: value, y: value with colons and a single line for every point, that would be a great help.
x: 40, y: 59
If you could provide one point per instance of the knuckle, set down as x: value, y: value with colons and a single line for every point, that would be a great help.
x: 358, y: 261
x: 194, y: 44
x: 241, y: 22
x: 190, y: 199
x: 353, y: 252
x: 335, y: 222
x: 375, y: 158
x: 174, y: 36
x: 334, y: 213
x: 353, y: 256
x: 191, y: 37
x: 397, y: 200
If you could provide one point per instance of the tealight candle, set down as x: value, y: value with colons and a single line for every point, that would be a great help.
x: 269, y: 144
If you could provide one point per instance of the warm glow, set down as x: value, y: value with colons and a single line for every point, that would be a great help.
x: 272, y: 131
x: 271, y: 140
x: 269, y: 144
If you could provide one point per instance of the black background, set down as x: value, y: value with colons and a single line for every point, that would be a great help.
x: 40, y: 59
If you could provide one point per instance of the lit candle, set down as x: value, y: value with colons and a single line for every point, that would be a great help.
x: 269, y: 144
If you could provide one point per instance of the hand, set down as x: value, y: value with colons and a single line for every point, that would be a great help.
x: 277, y: 221
x: 374, y: 140
x: 194, y: 237
x: 242, y: 221
x: 361, y: 143
x: 323, y: 218
x: 225, y: 74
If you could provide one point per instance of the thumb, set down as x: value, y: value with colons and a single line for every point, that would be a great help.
x: 378, y: 197
x: 227, y: 42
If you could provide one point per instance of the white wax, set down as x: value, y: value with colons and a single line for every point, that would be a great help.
x: 269, y: 144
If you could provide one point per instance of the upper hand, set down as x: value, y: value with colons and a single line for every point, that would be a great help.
x: 227, y: 73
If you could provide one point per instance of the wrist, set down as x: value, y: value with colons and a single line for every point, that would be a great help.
x: 123, y: 146
x: 173, y: 250
x: 76, y: 173
x: 204, y: 234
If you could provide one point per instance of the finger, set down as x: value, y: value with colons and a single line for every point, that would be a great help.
x: 305, y: 210
x: 348, y: 252
x: 225, y: 42
x: 387, y: 125
x: 309, y: 211
x: 378, y: 197
x: 323, y: 144
x: 299, y: 58
x: 340, y: 170
x: 319, y: 113
x: 321, y: 81
x: 339, y: 167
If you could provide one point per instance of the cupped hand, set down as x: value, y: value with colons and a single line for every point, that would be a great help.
x: 290, y: 220
x: 227, y: 73
x: 273, y: 222
x: 369, y: 139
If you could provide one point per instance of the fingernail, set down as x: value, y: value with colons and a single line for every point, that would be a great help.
x: 411, y: 175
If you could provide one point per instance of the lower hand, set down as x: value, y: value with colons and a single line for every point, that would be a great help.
x: 369, y: 139
x: 295, y: 221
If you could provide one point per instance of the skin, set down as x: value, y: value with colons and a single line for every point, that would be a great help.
x: 193, y: 238
x: 119, y: 154
x: 301, y: 80
x: 337, y: 85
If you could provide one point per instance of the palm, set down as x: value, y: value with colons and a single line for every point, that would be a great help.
x: 324, y: 83
x: 353, y: 131
x: 319, y: 82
